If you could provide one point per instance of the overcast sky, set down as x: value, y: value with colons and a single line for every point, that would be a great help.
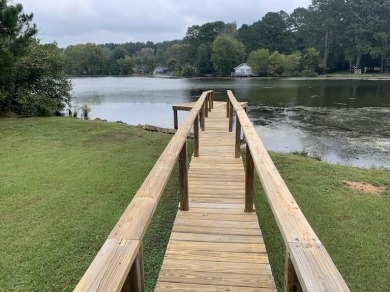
x: 118, y: 21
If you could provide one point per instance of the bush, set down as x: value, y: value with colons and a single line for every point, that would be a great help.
x: 188, y: 71
x: 309, y: 73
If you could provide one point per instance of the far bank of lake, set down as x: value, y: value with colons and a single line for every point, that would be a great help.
x: 343, y: 120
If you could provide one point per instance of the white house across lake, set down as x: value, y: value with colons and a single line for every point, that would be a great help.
x: 242, y: 70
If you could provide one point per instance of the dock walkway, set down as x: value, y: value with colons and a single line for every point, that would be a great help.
x: 216, y: 246
x: 216, y: 242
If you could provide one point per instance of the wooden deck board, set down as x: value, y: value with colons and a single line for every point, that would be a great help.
x: 215, y: 246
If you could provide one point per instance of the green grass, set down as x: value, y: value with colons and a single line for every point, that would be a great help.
x: 65, y: 182
x: 353, y: 226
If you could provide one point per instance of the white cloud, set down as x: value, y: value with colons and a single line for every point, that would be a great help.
x: 100, y: 21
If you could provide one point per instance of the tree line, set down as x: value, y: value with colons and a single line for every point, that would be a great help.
x: 329, y: 35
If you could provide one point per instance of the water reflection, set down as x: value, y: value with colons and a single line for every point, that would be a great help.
x: 341, y: 121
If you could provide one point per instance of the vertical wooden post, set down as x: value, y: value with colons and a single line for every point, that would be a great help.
x: 196, y: 137
x: 209, y: 97
x: 212, y: 99
x: 183, y: 178
x: 135, y: 281
x: 227, y: 107
x: 175, y: 121
x: 249, y: 181
x: 238, y: 138
x: 206, y: 106
x: 202, y: 121
x: 291, y: 282
x: 231, y: 118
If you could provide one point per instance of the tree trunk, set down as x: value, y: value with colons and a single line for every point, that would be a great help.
x: 383, y: 56
x: 359, y: 56
x: 326, y: 51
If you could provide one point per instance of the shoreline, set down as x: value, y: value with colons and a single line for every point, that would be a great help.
x: 370, y: 77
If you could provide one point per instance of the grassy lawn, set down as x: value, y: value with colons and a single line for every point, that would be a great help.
x: 64, y: 183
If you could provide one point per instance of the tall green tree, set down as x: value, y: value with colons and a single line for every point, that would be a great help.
x: 88, y: 59
x: 258, y: 61
x: 32, y: 79
x: 43, y: 87
x: 275, y: 64
x: 227, y: 53
x: 311, y: 60
x: 16, y: 34
x: 203, y: 59
x: 326, y: 20
x: 126, y: 65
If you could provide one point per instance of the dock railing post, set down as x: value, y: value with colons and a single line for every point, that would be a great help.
x: 206, y: 106
x: 196, y: 137
x: 175, y: 120
x: 209, y: 98
x: 249, y: 171
x: 238, y: 138
x: 230, y: 117
x: 291, y: 282
x: 203, y: 117
x: 183, y: 178
x: 227, y: 107
x: 135, y: 281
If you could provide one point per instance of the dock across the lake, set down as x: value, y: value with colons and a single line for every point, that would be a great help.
x: 216, y: 243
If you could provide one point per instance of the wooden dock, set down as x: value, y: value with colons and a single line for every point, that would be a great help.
x: 216, y: 242
x: 216, y: 246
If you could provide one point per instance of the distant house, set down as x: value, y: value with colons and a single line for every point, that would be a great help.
x: 242, y: 70
x: 160, y: 70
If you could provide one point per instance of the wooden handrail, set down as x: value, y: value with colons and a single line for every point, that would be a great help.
x: 308, y: 264
x: 118, y: 265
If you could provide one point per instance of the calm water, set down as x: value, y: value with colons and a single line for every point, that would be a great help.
x: 341, y: 121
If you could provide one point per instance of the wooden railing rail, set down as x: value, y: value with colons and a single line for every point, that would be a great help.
x: 204, y: 112
x: 308, y: 265
x: 118, y: 266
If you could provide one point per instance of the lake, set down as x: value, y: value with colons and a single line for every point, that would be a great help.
x: 340, y: 121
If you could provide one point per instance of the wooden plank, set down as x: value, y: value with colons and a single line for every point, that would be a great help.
x: 183, y: 287
x: 218, y: 256
x: 215, y: 230
x: 215, y: 223
x: 227, y: 217
x: 207, y: 237
x: 217, y: 246
x: 217, y: 267
x: 196, y: 277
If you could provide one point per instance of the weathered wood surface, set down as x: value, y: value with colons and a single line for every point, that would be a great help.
x: 313, y: 265
x: 111, y: 267
x: 216, y: 246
